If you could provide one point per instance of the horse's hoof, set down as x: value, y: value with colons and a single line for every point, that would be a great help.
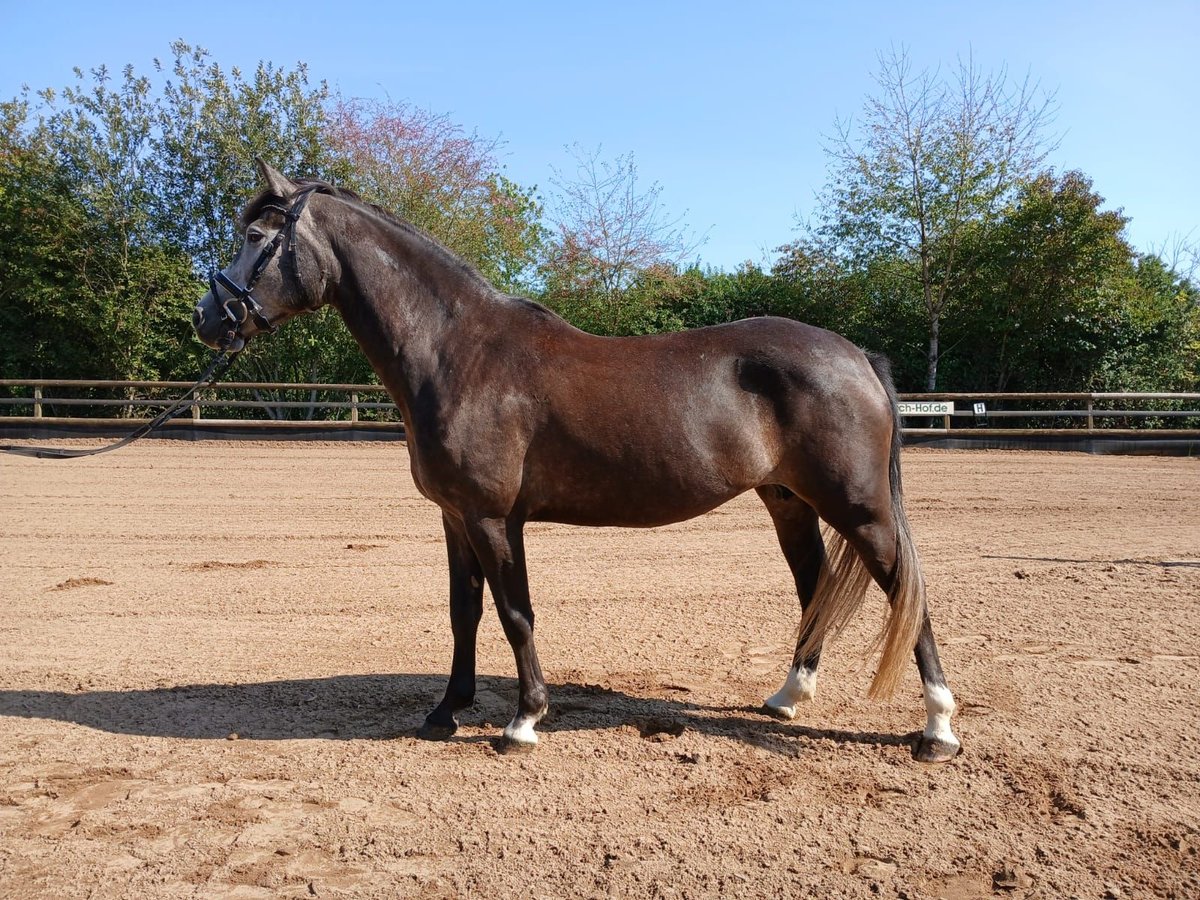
x: 437, y: 730
x: 507, y: 745
x: 783, y: 713
x: 936, y: 750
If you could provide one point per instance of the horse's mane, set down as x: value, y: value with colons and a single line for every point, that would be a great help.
x: 268, y: 199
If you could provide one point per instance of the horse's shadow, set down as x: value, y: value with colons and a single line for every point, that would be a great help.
x: 385, y: 707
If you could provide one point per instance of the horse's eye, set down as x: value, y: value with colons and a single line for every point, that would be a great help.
x: 254, y: 237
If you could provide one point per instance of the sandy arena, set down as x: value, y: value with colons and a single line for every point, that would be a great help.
x: 214, y: 658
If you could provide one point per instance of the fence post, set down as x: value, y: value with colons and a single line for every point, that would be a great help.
x: 1089, y: 413
x: 354, y: 406
x: 196, y: 407
x: 37, y: 402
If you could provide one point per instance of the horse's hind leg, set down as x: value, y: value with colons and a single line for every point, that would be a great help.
x: 938, y: 743
x: 884, y: 545
x: 799, y: 533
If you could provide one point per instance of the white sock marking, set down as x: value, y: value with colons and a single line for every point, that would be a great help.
x: 939, y: 705
x: 520, y: 729
x: 800, y: 686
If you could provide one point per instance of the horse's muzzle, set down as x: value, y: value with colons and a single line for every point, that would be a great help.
x: 213, y: 328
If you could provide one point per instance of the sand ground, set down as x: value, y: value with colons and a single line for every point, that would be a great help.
x: 214, y: 657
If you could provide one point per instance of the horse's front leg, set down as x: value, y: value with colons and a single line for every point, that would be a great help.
x: 466, y: 608
x: 500, y: 546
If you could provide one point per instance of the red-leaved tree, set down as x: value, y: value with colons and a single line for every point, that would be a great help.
x: 425, y: 168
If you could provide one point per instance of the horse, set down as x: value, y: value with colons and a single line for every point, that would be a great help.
x: 512, y: 415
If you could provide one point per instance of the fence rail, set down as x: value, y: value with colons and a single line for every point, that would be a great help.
x: 39, y: 401
x: 1060, y: 413
x: 283, y: 406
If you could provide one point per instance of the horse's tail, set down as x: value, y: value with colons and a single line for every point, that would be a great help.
x: 907, y: 591
x: 844, y: 579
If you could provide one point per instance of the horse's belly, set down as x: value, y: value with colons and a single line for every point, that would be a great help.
x: 627, y: 499
x: 627, y: 514
x: 651, y: 465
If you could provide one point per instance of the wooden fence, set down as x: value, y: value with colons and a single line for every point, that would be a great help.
x: 1058, y: 414
x: 281, y: 407
x: 266, y: 406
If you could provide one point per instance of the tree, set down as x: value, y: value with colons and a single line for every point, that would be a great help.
x: 116, y: 197
x: 425, y: 168
x: 695, y: 297
x: 930, y: 161
x: 109, y: 300
x: 1060, y: 301
x: 607, y: 230
x: 211, y: 126
x: 1163, y: 349
x: 113, y: 197
x: 1049, y: 279
x: 41, y: 241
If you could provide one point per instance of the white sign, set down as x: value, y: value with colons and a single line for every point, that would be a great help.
x: 926, y: 408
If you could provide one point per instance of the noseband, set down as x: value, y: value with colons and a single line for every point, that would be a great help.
x: 240, y: 305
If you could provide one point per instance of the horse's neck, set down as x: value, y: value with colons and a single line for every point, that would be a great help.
x: 407, y: 304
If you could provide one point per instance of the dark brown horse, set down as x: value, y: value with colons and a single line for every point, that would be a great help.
x: 512, y: 415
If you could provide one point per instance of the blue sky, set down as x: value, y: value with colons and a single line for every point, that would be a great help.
x: 724, y: 104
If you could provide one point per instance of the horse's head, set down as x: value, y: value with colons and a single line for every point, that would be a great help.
x: 273, y: 277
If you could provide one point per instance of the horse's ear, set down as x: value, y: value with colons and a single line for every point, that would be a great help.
x: 280, y: 185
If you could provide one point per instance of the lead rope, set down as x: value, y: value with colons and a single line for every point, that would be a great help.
x: 220, y: 360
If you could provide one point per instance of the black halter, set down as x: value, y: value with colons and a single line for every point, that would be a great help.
x: 240, y: 305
